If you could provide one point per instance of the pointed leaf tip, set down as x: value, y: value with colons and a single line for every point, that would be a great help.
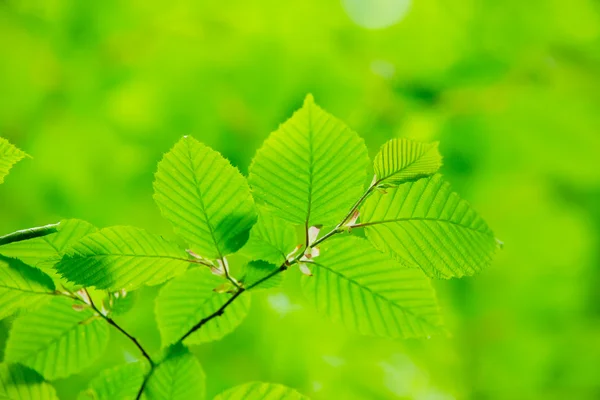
x: 309, y: 99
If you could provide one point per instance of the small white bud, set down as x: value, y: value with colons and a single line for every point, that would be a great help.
x: 313, y: 233
x: 353, y: 218
x: 304, y: 269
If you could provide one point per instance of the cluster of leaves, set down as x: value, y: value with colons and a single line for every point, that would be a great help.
x: 68, y: 281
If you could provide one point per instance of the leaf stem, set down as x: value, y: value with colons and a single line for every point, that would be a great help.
x: 27, y: 234
x: 120, y: 329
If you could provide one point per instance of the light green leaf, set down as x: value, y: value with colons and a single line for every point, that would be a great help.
x: 122, y: 258
x: 21, y: 286
x: 261, y: 391
x: 271, y: 239
x: 311, y: 170
x: 205, y: 198
x: 44, y: 252
x: 122, y: 383
x: 21, y: 383
x: 257, y: 270
x: 425, y: 224
x: 368, y: 292
x: 27, y: 234
x: 179, y: 377
x: 189, y: 298
x: 56, y: 340
x: 401, y: 160
x: 120, y: 303
x: 9, y: 156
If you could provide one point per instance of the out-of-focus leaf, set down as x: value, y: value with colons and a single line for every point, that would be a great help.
x: 56, y: 340
x: 21, y: 383
x: 205, y: 198
x: 425, y: 224
x: 122, y: 258
x: 9, y: 156
x: 311, y: 170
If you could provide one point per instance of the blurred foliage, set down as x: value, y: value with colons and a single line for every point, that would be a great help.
x: 97, y: 92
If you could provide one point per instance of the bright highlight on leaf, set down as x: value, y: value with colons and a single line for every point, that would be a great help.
x: 122, y: 258
x: 205, y: 198
x: 56, y: 340
x: 9, y: 156
x: 179, y: 377
x: 261, y: 391
x: 21, y: 383
x: 311, y: 170
x: 122, y: 382
x: 425, y: 224
x: 189, y: 298
x: 271, y: 239
x: 21, y: 286
x: 401, y: 160
x: 368, y: 292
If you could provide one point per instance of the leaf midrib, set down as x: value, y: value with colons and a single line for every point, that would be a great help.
x: 390, y: 221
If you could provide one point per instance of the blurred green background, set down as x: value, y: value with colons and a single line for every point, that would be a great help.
x: 96, y: 92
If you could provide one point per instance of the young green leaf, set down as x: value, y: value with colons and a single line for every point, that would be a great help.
x: 271, y: 239
x: 425, y: 224
x: 122, y: 382
x: 120, y: 303
x: 311, y: 170
x: 21, y: 286
x: 187, y: 299
x: 9, y: 156
x: 255, y: 271
x: 368, y: 292
x: 179, y: 377
x: 401, y: 160
x: 56, y: 340
x: 27, y: 234
x: 205, y: 198
x: 21, y: 383
x: 44, y: 252
x: 122, y: 258
x: 261, y: 391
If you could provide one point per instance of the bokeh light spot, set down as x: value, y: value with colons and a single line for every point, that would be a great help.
x: 376, y: 14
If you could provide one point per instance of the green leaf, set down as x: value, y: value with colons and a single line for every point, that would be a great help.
x: 122, y: 382
x: 401, y: 160
x: 189, y: 298
x: 120, y: 303
x: 56, y: 340
x: 44, y: 252
x: 368, y: 292
x: 9, y: 156
x: 271, y: 239
x: 21, y: 383
x: 257, y: 270
x: 205, y: 198
x: 122, y: 258
x: 30, y: 233
x: 179, y: 377
x: 425, y: 224
x: 311, y: 170
x: 261, y: 391
x: 21, y: 286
